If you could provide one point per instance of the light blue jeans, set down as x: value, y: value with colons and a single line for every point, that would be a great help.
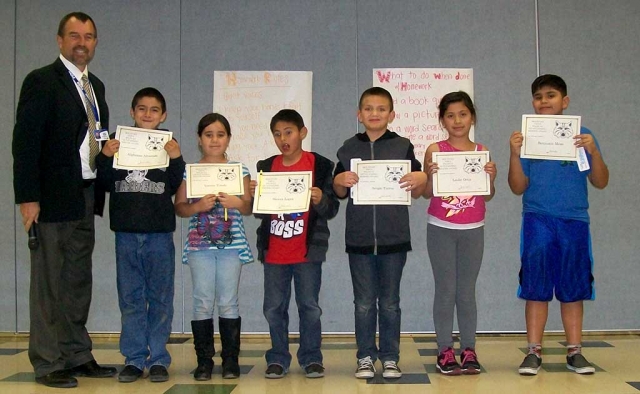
x: 215, y: 274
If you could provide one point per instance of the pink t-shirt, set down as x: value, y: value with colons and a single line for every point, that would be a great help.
x: 459, y: 211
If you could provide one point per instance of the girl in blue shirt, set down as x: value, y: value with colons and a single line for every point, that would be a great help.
x: 215, y: 250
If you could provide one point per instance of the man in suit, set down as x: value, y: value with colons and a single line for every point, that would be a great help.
x: 54, y: 147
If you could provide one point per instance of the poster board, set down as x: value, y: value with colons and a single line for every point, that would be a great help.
x: 249, y: 99
x: 416, y: 94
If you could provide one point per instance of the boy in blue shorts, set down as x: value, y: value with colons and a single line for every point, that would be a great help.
x: 377, y: 237
x: 142, y: 216
x: 292, y: 246
x: 555, y: 241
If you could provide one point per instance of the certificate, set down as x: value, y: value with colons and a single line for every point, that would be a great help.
x: 379, y: 182
x: 141, y: 149
x: 461, y: 173
x: 550, y: 137
x: 283, y: 192
x: 213, y: 178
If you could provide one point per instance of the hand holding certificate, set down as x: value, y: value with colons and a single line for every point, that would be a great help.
x: 379, y: 182
x: 461, y: 173
x: 141, y: 149
x: 550, y: 137
x: 283, y: 192
x: 210, y: 178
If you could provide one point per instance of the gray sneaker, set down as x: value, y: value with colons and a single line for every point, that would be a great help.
x: 275, y: 371
x: 579, y: 364
x: 530, y: 365
x: 314, y: 370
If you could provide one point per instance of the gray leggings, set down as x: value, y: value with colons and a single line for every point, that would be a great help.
x: 456, y: 256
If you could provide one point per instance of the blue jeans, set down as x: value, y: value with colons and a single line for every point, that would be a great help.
x: 215, y: 274
x: 307, y: 278
x: 376, y: 293
x: 145, y: 272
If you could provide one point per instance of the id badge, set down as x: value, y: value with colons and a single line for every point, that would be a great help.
x: 583, y: 162
x: 101, y: 135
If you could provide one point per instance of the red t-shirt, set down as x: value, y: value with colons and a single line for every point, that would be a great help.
x: 288, y: 232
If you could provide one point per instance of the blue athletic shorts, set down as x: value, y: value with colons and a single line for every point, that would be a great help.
x: 555, y: 254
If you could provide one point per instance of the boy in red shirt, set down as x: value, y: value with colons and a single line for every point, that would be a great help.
x: 293, y: 246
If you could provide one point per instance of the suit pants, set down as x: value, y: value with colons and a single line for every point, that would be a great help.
x: 60, y: 293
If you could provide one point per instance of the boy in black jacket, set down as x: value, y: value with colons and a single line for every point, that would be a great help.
x: 143, y: 218
x: 377, y: 237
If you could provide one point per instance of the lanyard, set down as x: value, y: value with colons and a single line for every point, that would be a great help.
x: 94, y: 109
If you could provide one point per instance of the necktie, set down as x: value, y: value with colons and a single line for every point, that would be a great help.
x: 94, y: 149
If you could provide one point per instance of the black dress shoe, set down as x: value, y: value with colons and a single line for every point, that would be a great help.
x: 129, y: 374
x: 158, y: 373
x: 58, y: 379
x: 91, y: 369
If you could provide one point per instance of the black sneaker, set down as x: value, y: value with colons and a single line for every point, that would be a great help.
x: 366, y: 369
x: 530, y: 365
x: 274, y: 371
x: 129, y: 374
x: 579, y: 364
x: 314, y: 370
x: 469, y: 361
x: 158, y: 373
x: 390, y: 370
x: 447, y: 363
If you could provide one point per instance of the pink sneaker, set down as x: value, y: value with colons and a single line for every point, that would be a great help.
x: 469, y: 360
x: 447, y: 363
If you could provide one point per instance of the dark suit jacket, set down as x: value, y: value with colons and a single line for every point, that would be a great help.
x: 51, y: 123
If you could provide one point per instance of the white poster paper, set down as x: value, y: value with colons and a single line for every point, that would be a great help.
x: 249, y: 99
x: 416, y: 94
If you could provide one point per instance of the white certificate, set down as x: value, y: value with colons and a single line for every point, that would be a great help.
x: 283, y: 192
x: 461, y: 174
x: 379, y: 182
x: 141, y: 149
x: 550, y: 137
x: 213, y: 178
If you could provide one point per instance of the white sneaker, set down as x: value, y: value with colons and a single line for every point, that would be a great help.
x: 366, y: 369
x: 390, y: 370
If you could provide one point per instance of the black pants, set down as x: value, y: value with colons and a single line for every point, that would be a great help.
x: 60, y: 293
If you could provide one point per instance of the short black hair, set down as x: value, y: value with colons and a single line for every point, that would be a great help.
x: 376, y: 91
x: 456, y: 97
x: 149, y: 92
x: 213, y: 118
x: 81, y: 16
x: 549, y: 80
x: 287, y: 115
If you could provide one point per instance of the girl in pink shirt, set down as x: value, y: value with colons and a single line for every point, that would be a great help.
x: 455, y: 239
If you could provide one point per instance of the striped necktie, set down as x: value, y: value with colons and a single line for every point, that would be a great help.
x: 94, y: 149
